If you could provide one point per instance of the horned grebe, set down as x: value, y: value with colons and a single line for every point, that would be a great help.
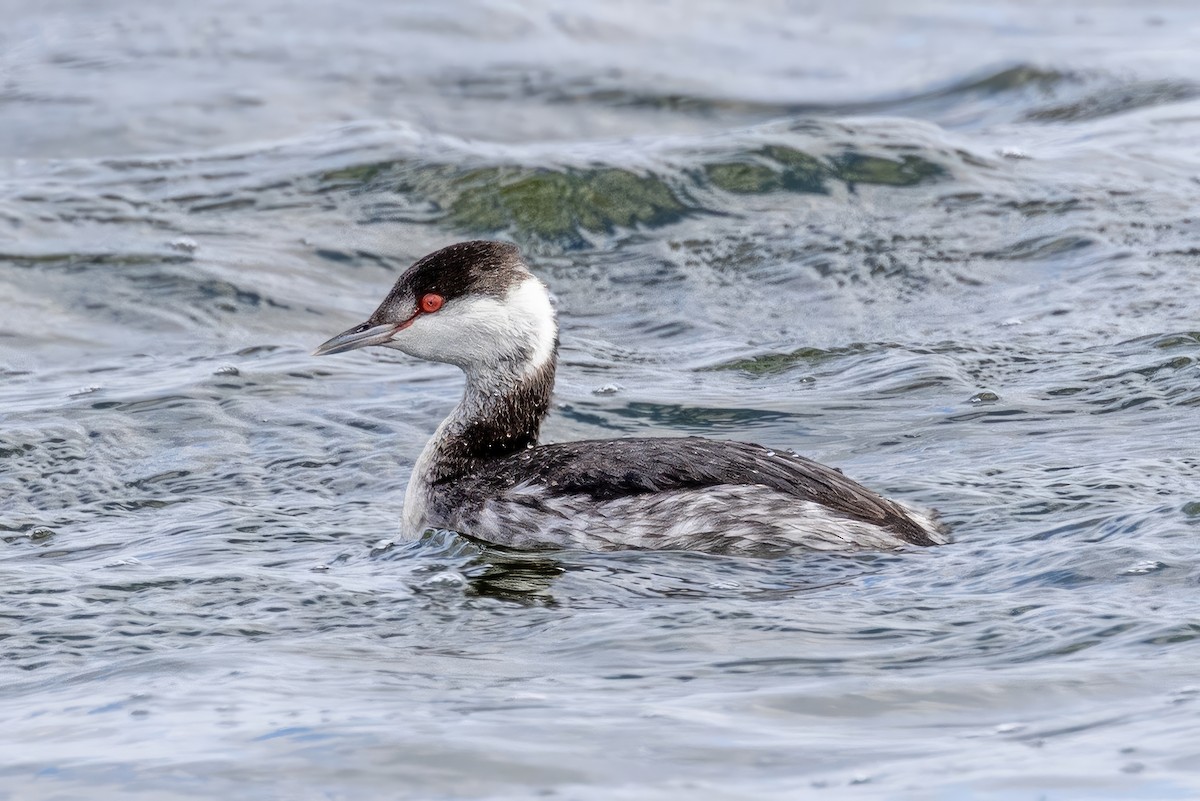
x: 477, y: 306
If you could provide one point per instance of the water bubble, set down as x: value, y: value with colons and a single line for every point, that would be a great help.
x: 724, y: 585
x: 1014, y: 153
x: 607, y: 389
x: 1143, y: 567
x: 984, y: 397
x: 184, y: 243
x: 447, y: 580
x: 228, y: 369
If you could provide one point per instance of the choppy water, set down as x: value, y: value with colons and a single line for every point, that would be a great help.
x: 950, y: 249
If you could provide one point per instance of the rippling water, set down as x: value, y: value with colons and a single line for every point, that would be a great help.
x: 950, y: 249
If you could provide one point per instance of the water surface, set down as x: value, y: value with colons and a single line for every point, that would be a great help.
x: 949, y: 249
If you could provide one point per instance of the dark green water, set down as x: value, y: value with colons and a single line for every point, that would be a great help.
x: 951, y: 248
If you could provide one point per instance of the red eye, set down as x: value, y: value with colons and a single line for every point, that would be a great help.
x: 431, y: 302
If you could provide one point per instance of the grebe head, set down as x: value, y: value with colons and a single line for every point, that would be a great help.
x: 475, y: 305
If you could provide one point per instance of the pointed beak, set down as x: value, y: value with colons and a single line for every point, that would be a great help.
x: 358, y: 337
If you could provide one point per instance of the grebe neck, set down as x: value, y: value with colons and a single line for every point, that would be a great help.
x: 500, y: 414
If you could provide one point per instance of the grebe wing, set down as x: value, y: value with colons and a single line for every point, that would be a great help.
x: 604, y: 470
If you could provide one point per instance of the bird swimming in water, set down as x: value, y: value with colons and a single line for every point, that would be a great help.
x: 477, y: 306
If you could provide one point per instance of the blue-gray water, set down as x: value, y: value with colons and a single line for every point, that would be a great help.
x: 951, y: 248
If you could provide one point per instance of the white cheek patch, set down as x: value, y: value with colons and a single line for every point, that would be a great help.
x: 462, y: 332
x: 529, y: 305
x: 479, y: 333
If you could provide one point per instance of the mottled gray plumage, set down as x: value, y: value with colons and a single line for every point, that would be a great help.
x: 598, y: 471
x: 483, y: 474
